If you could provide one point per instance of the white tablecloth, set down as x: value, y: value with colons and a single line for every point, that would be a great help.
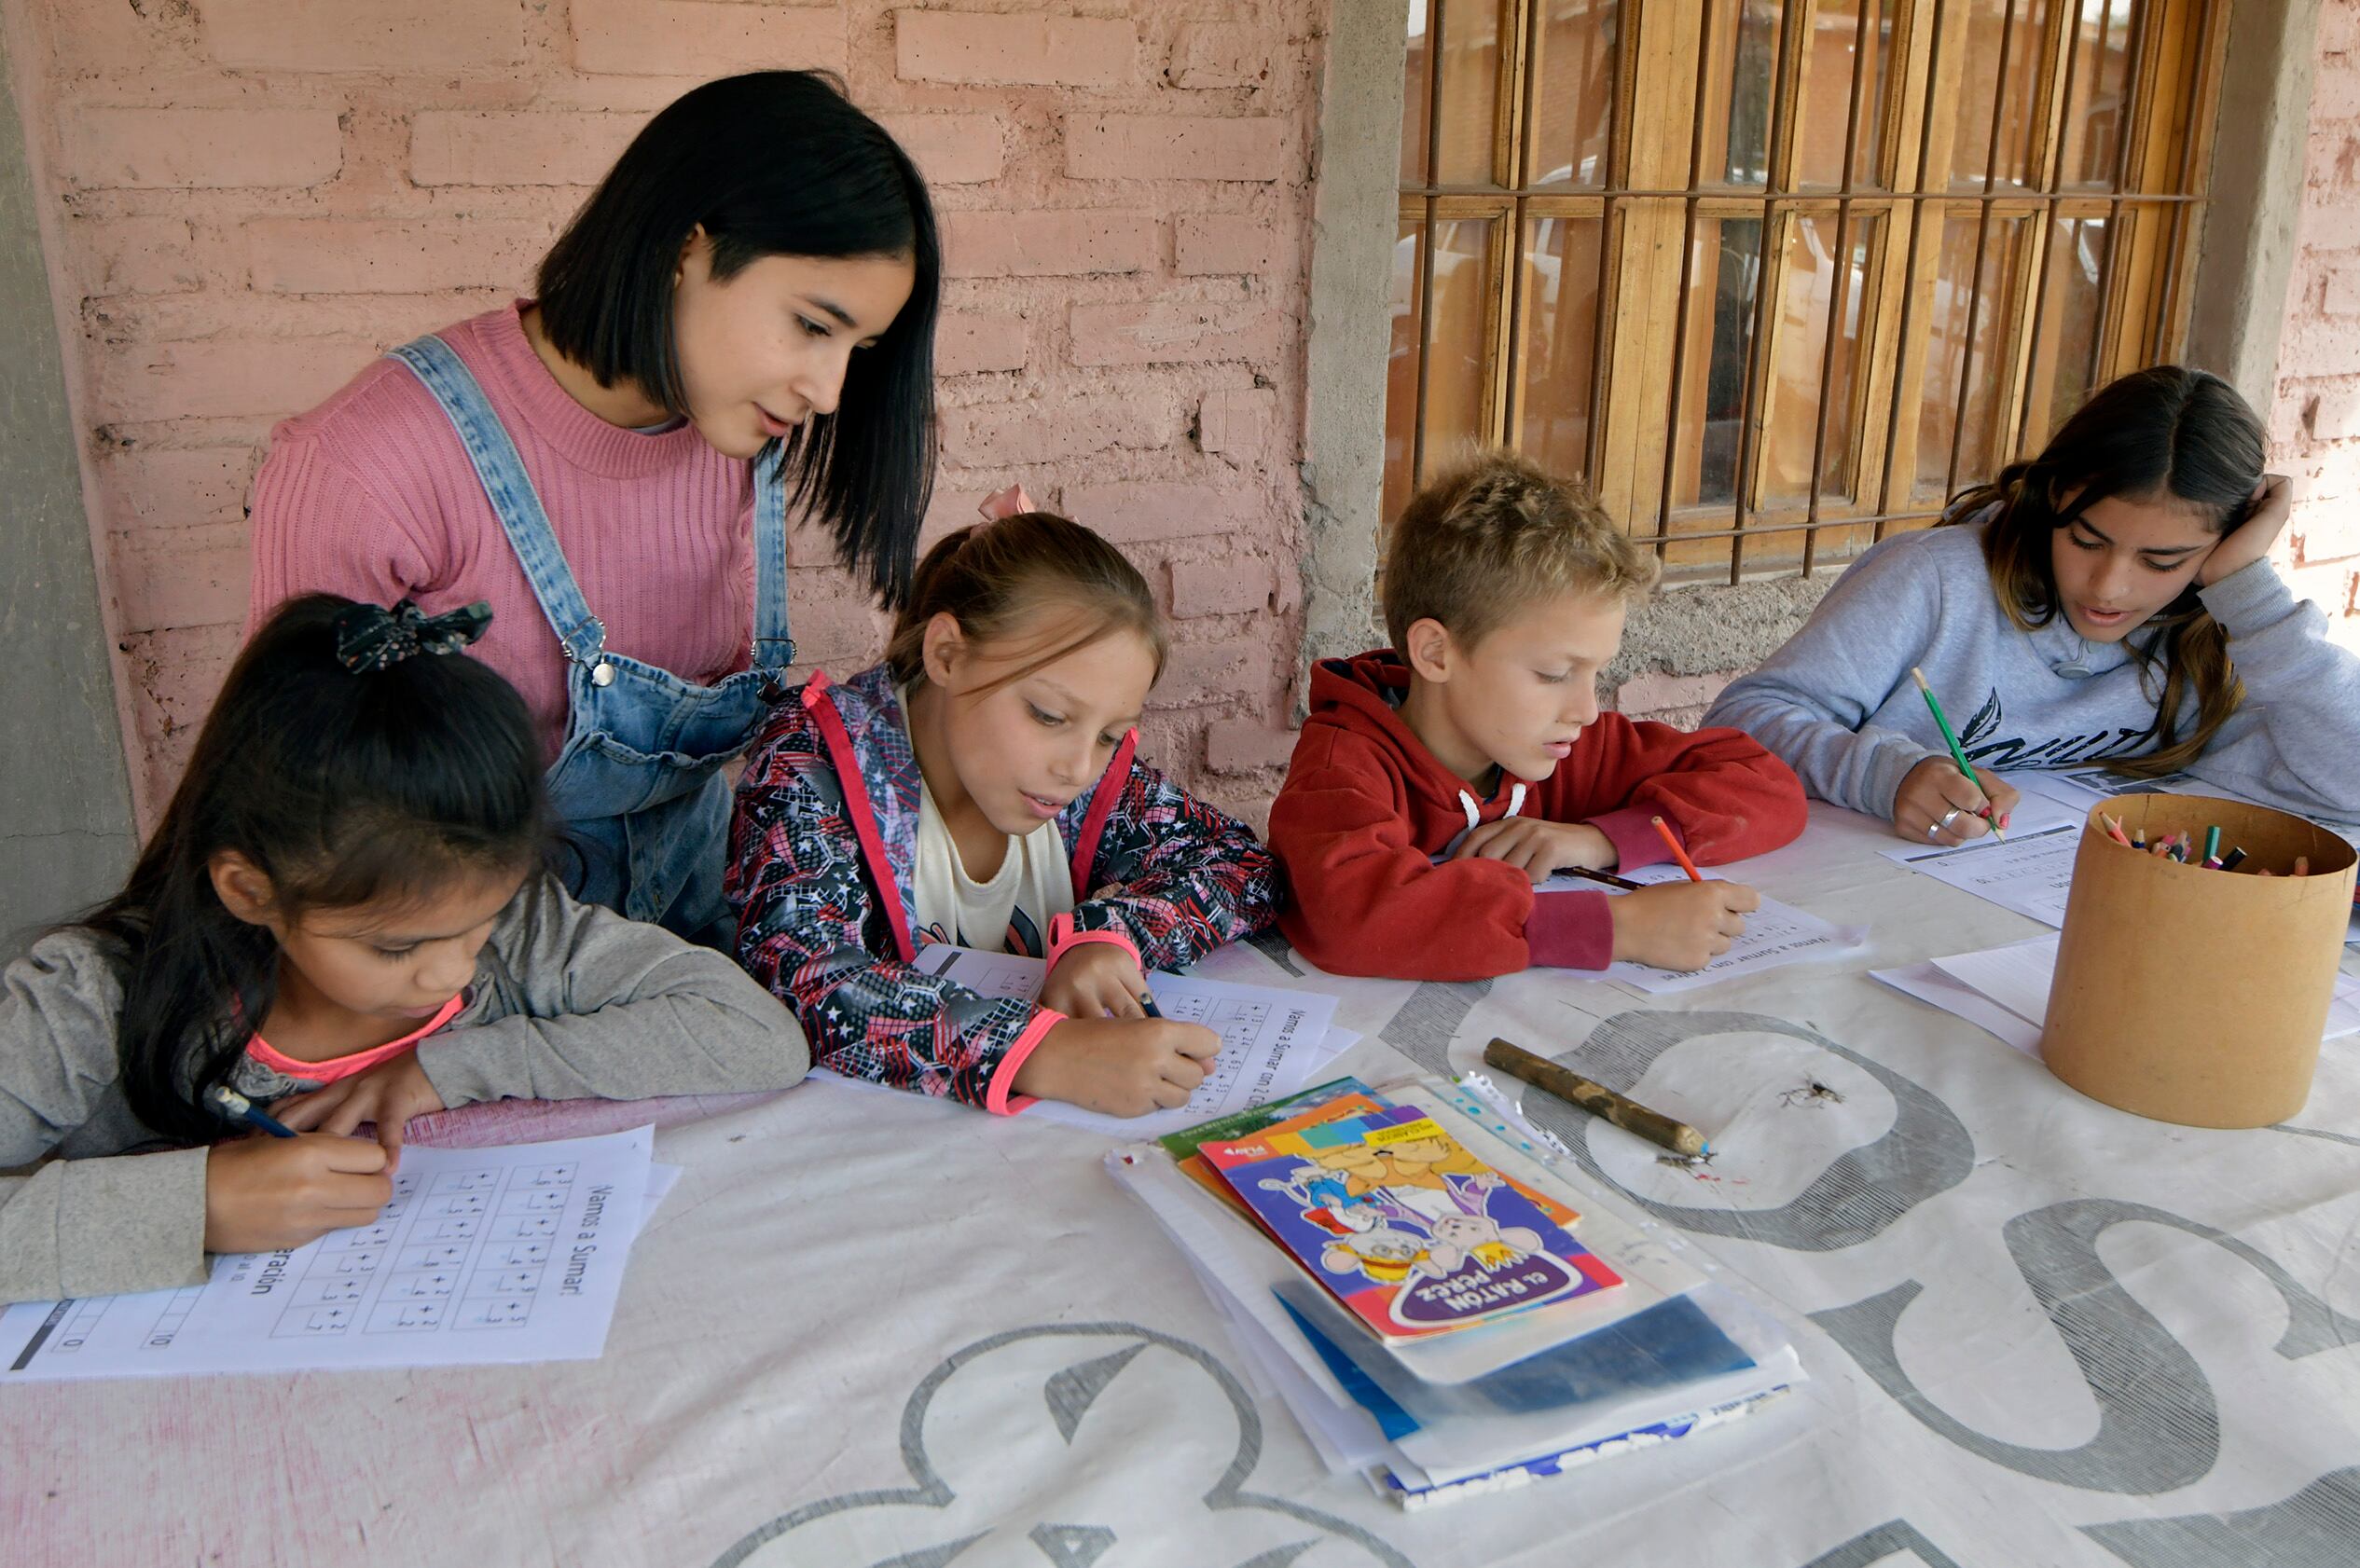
x: 870, y: 1328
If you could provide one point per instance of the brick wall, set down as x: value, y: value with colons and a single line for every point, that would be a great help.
x: 248, y: 199
x: 2314, y: 421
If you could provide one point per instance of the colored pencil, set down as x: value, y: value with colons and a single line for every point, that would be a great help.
x: 1606, y: 876
x: 2234, y: 858
x: 2114, y: 830
x: 1958, y: 752
x: 2213, y: 844
x: 1673, y: 844
x: 237, y: 1107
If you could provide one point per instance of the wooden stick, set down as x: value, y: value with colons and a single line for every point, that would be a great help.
x: 1598, y: 1099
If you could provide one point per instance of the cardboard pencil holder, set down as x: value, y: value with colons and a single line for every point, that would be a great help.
x: 2196, y: 996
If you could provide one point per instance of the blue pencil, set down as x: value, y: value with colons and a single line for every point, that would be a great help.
x: 239, y: 1108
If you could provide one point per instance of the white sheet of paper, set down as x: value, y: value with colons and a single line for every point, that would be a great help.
x: 1928, y: 983
x: 2034, y: 816
x: 1776, y: 934
x: 1272, y: 1042
x: 2031, y: 873
x: 484, y: 1256
x: 2005, y: 990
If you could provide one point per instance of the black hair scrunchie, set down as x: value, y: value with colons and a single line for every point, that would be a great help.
x: 370, y: 637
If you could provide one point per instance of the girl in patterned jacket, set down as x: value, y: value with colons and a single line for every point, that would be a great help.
x: 980, y: 787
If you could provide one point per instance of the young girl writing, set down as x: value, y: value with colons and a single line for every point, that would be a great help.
x: 2111, y: 601
x: 348, y: 877
x: 979, y: 787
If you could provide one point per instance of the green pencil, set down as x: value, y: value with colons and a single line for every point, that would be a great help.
x: 1958, y: 752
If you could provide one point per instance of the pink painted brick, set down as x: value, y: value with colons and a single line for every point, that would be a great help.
x: 835, y: 622
x: 1039, y: 243
x: 1128, y: 511
x: 702, y: 38
x: 1225, y: 587
x: 1234, y: 746
x: 189, y: 577
x: 1202, y: 672
x: 1003, y: 435
x: 967, y: 342
x: 2341, y: 296
x: 144, y: 488
x: 354, y: 256
x: 539, y: 148
x: 1174, y: 332
x: 1177, y: 147
x: 1236, y: 422
x: 950, y: 149
x: 2333, y: 412
x: 946, y: 512
x: 379, y: 36
x: 132, y: 256
x: 1653, y: 691
x: 1015, y: 50
x: 1217, y: 54
x: 224, y: 379
x: 212, y: 149
x: 1223, y: 242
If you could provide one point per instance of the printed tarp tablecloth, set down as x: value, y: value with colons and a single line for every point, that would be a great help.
x: 876, y: 1330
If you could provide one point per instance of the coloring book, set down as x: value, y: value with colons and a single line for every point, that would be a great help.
x: 1404, y: 1226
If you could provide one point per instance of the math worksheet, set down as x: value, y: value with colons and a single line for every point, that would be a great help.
x: 1272, y: 1042
x: 1776, y: 934
x: 485, y: 1255
x: 2031, y: 873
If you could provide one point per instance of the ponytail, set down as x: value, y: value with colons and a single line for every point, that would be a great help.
x: 991, y: 576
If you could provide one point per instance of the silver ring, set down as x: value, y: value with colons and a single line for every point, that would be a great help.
x: 1933, y: 829
x: 1950, y: 818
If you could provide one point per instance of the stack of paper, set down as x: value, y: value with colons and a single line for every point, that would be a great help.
x: 1334, y: 1276
x: 1272, y: 1042
x: 2005, y: 990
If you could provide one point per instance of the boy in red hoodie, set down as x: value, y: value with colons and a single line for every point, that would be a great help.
x: 1438, y: 782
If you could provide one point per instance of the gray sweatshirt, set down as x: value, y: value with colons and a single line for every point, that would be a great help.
x: 569, y: 1001
x: 1837, y: 702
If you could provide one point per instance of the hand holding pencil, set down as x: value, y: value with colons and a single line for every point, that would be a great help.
x: 1950, y: 802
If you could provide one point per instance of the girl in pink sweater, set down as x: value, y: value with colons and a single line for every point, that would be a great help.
x: 741, y: 319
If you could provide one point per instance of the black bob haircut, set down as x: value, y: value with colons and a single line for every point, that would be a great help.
x: 769, y: 163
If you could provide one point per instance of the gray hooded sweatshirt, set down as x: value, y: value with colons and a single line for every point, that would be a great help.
x: 570, y: 1000
x: 1837, y: 702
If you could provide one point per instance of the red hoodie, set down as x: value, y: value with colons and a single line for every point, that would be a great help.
x: 1366, y: 807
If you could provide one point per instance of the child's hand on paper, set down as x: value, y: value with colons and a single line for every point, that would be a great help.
x: 265, y: 1194
x: 1119, y: 1067
x: 1539, y: 849
x: 1680, y: 925
x: 1096, y: 980
x: 1935, y: 789
x: 388, y: 1094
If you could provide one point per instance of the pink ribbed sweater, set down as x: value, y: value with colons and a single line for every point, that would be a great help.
x: 370, y: 495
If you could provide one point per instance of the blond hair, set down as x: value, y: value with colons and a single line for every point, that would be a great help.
x: 1494, y: 533
x: 993, y: 576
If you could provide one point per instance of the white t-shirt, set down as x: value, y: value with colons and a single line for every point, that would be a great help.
x: 1008, y: 913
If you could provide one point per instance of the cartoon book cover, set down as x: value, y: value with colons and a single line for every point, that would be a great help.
x: 1404, y: 1226
x: 1356, y: 1101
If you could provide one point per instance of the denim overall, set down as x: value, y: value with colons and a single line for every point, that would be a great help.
x: 638, y: 779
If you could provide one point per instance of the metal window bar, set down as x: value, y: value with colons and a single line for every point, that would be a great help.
x: 1975, y: 270
x: 2052, y: 179
x: 1425, y: 345
x: 1862, y: 47
x: 1688, y: 268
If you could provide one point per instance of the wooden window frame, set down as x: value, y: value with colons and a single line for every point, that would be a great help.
x: 1650, y: 206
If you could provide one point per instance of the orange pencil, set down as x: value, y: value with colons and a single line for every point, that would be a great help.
x: 1677, y: 853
